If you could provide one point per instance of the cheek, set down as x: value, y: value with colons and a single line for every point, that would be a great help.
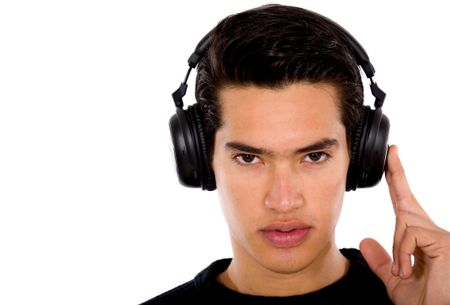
x: 239, y: 201
x: 227, y: 196
x: 332, y: 196
x: 233, y: 194
x: 327, y: 194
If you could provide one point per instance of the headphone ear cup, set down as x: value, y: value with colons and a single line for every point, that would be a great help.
x: 190, y: 149
x: 368, y: 150
x: 373, y: 160
x: 184, y: 149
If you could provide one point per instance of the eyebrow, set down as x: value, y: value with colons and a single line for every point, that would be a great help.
x: 325, y: 143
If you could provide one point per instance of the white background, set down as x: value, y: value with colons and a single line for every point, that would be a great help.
x: 90, y: 208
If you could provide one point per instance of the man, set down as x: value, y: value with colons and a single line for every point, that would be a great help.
x: 280, y: 104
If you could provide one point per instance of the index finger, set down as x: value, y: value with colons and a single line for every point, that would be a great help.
x: 402, y: 197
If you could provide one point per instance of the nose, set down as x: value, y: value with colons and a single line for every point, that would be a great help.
x: 284, y: 190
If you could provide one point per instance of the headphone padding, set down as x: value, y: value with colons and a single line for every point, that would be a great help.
x: 206, y: 171
x: 352, y: 174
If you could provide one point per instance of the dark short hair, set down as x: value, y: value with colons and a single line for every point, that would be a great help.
x: 272, y: 47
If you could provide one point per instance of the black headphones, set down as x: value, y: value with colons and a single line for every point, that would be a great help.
x: 368, y: 148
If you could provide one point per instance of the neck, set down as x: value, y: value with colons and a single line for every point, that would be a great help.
x: 247, y: 276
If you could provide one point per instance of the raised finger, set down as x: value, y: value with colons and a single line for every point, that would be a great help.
x: 401, y: 195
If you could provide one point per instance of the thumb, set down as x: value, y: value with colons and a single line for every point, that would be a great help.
x: 378, y: 259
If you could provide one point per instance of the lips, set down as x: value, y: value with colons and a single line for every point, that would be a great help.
x: 286, y: 234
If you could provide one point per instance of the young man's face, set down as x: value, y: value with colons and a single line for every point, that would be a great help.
x: 280, y: 162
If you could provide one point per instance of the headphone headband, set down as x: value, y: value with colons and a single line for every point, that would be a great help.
x: 360, y: 55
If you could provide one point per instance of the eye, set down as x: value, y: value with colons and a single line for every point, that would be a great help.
x: 316, y: 157
x: 246, y: 159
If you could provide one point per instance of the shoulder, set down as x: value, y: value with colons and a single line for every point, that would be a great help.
x: 195, y: 291
x: 185, y: 293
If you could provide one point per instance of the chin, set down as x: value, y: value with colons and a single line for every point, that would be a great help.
x: 286, y: 261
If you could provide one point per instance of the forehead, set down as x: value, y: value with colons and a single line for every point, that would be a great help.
x: 300, y: 112
x: 311, y: 95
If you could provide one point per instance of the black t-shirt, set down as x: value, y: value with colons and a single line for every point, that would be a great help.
x: 359, y: 286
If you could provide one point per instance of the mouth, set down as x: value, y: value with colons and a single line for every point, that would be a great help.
x: 286, y: 235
